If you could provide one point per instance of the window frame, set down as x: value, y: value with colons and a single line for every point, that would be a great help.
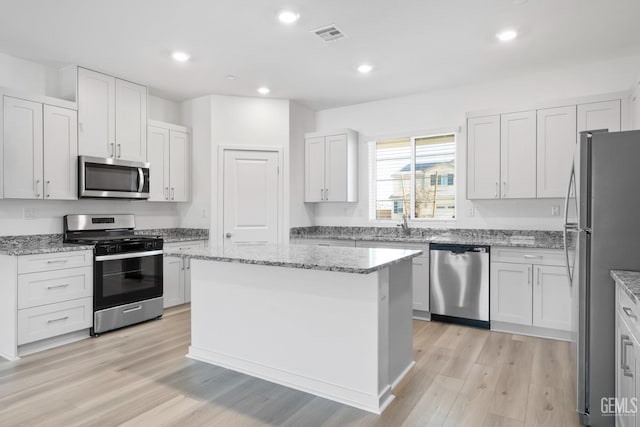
x: 373, y: 179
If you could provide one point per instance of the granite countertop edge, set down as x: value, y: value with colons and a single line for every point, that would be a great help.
x: 630, y: 282
x: 296, y: 265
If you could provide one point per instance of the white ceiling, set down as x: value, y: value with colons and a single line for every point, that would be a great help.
x: 414, y: 45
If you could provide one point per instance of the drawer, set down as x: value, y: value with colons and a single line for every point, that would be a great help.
x: 629, y: 311
x: 182, y: 246
x: 54, y: 261
x: 529, y: 256
x: 49, y: 287
x: 326, y: 242
x: 48, y: 321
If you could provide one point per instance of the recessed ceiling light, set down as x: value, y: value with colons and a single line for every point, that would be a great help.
x: 507, y: 35
x: 288, y: 17
x: 181, y: 56
x: 264, y: 90
x: 230, y: 77
x: 365, y: 68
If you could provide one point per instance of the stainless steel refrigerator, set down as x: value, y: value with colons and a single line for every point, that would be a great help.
x: 602, y: 215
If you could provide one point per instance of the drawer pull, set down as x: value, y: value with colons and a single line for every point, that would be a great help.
x: 57, y: 261
x: 533, y: 257
x: 58, y: 286
x: 129, y: 310
x: 58, y: 320
x: 629, y: 312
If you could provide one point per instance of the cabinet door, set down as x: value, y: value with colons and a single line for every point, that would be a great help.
x: 173, y: 281
x: 131, y: 121
x: 599, y: 115
x: 511, y: 293
x: 179, y: 169
x: 158, y: 157
x: 421, y: 282
x: 187, y: 281
x: 60, y: 153
x: 335, y: 168
x: 518, y: 155
x: 96, y: 114
x: 555, y: 143
x: 551, y: 298
x: 483, y: 157
x: 314, y: 158
x: 626, y: 371
x: 23, y: 153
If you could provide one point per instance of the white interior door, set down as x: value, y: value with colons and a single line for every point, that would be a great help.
x: 60, y: 153
x: 251, y: 197
x: 22, y: 149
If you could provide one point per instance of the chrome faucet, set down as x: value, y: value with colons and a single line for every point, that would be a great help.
x: 404, y: 225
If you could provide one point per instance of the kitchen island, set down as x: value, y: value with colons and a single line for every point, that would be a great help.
x: 334, y: 322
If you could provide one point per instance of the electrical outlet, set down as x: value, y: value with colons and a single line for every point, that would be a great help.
x: 471, y: 211
x: 204, y: 213
x: 555, y: 210
x: 30, y: 213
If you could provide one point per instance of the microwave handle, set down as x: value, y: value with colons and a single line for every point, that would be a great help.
x: 140, y: 180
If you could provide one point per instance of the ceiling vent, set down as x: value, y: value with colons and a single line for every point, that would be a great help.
x: 329, y: 33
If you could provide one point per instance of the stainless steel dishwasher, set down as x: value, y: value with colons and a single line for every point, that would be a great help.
x: 459, y: 284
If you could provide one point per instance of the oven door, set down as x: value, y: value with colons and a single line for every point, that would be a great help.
x: 126, y: 278
x: 112, y: 178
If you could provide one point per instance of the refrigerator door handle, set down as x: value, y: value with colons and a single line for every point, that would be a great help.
x: 567, y: 225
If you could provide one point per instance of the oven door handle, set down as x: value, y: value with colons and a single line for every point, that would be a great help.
x: 140, y: 180
x: 129, y: 255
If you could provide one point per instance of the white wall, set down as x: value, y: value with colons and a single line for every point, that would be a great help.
x: 445, y: 110
x: 163, y: 110
x: 26, y: 76
x: 301, y: 120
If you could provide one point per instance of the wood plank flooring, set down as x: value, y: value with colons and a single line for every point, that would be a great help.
x: 139, y: 377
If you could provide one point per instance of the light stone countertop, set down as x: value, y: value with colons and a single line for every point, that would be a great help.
x: 37, y: 244
x: 175, y: 235
x: 630, y: 282
x: 345, y: 260
x: 506, y: 238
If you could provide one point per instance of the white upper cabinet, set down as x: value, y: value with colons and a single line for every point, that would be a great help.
x: 179, y: 166
x: 60, y: 153
x: 131, y: 121
x: 483, y: 157
x: 112, y: 117
x: 40, y: 151
x: 314, y: 154
x: 96, y: 114
x: 331, y: 167
x: 599, y: 115
x: 169, y: 153
x: 23, y: 150
x: 158, y: 158
x: 555, y: 147
x: 518, y: 155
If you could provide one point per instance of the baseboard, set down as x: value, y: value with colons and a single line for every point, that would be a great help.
x: 533, y: 331
x: 421, y: 315
x: 46, y: 344
x: 402, y: 374
x: 375, y: 403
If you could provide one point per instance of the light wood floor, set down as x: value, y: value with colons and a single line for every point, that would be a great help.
x: 139, y: 377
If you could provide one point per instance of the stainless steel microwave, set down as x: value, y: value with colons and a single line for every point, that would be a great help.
x: 112, y: 178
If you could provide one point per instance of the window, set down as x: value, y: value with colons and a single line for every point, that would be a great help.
x: 415, y: 176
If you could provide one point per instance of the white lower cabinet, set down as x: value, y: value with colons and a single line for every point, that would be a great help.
x: 530, y: 288
x: 325, y: 242
x: 177, y: 274
x: 627, y: 358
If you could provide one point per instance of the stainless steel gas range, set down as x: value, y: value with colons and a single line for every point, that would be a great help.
x: 128, y: 276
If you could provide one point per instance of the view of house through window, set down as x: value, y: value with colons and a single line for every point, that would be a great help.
x: 415, y: 177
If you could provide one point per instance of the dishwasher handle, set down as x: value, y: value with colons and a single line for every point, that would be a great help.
x: 458, y: 249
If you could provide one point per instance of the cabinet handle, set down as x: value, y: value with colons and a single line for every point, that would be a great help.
x: 46, y: 188
x: 629, y: 312
x: 528, y: 275
x: 322, y: 194
x: 533, y: 257
x: 57, y: 261
x: 166, y: 193
x: 119, y: 150
x: 497, y: 188
x: 181, y: 263
x: 504, y: 188
x: 626, y: 342
x: 326, y: 194
x: 538, y: 278
x: 58, y: 320
x: 58, y: 286
x: 188, y: 263
x: 112, y: 151
x: 173, y: 193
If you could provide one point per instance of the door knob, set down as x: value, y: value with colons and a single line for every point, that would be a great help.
x: 228, y: 235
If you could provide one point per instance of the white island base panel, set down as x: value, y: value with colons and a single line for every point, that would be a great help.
x: 342, y: 336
